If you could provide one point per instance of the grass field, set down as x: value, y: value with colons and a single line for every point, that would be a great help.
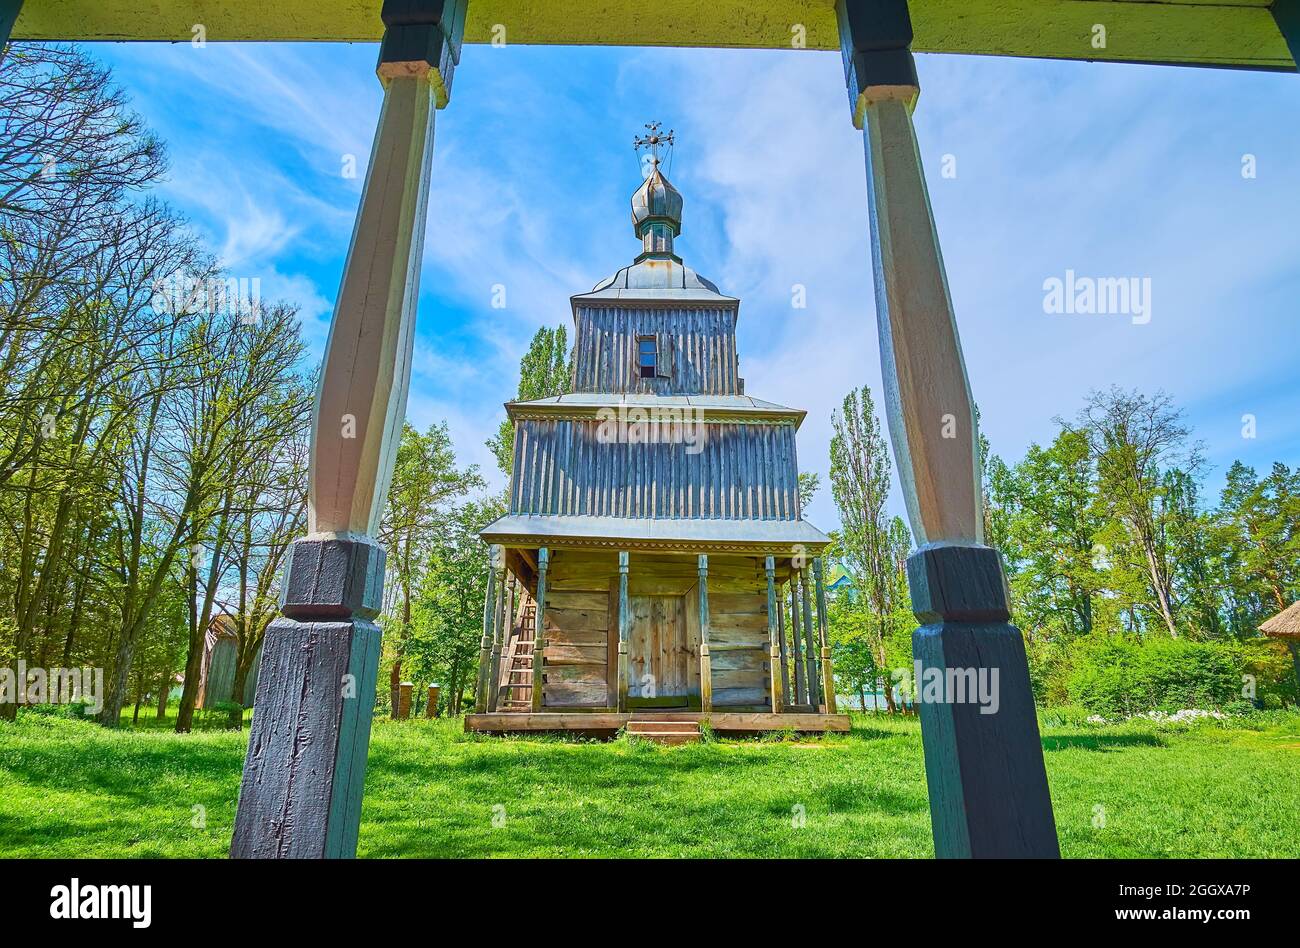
x: 69, y: 788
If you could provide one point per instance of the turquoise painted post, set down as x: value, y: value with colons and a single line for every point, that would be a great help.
x: 9, y: 10
x: 1286, y: 14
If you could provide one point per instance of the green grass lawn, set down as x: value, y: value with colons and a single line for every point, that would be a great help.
x: 69, y: 788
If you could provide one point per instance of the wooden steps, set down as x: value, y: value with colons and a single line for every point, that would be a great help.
x: 663, y: 730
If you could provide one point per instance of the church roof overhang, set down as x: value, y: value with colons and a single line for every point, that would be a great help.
x: 717, y: 409
x: 665, y: 535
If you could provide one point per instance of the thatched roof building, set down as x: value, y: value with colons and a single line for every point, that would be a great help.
x: 1284, y: 625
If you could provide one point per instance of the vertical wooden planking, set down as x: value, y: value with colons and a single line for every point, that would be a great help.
x: 785, y: 663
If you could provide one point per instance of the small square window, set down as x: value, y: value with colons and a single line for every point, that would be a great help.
x: 647, y: 356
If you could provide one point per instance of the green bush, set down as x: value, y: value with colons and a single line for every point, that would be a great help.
x: 1115, y: 675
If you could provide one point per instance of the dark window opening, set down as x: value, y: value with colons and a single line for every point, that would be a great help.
x: 647, y: 357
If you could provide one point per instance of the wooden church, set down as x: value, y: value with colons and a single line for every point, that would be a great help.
x: 654, y: 524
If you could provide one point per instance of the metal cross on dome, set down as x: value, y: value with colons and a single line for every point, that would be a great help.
x: 654, y: 139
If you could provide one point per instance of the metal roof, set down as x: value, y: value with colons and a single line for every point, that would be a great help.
x: 686, y: 535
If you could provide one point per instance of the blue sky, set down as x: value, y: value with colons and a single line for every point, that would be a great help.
x: 1109, y: 171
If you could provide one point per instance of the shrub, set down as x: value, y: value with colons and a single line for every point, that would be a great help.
x: 1117, y: 675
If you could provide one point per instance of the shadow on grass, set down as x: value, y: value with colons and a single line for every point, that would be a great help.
x: 1100, y: 742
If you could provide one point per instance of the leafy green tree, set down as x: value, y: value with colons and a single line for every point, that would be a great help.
x: 874, y: 545
x: 426, y: 486
x: 545, y: 370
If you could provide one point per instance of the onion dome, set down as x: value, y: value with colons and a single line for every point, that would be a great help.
x: 657, y: 214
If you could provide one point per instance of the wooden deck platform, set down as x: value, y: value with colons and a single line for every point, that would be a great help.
x: 610, y: 722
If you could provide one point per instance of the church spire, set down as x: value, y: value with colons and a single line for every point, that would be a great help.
x: 656, y: 205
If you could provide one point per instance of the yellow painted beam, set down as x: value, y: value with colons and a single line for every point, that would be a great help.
x: 1203, y: 32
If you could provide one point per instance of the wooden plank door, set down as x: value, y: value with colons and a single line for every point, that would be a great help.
x: 658, y: 650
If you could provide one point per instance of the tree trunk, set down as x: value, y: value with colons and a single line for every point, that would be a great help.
x: 242, y: 668
x: 164, y: 692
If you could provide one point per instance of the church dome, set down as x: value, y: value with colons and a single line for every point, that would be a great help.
x: 656, y: 201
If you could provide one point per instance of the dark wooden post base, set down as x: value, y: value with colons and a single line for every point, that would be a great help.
x: 983, y: 755
x: 306, y: 765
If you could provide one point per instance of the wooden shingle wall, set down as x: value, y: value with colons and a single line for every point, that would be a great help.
x: 697, y: 350
x: 739, y: 471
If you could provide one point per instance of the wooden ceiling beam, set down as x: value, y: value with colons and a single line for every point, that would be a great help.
x: 1236, y: 33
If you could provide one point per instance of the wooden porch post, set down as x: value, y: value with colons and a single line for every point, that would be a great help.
x: 306, y: 764
x: 487, y: 649
x: 823, y: 638
x: 774, y: 652
x: 539, y: 635
x: 624, y: 630
x: 810, y: 643
x: 988, y: 787
x: 706, y: 661
x: 800, y: 682
x: 780, y: 634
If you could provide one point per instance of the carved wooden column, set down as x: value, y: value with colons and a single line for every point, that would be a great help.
x: 706, y: 660
x: 624, y: 631
x: 823, y: 638
x: 489, y: 650
x: 987, y: 783
x: 785, y: 662
x: 539, y: 634
x: 774, y: 643
x: 810, y: 643
x: 306, y: 764
x: 796, y: 659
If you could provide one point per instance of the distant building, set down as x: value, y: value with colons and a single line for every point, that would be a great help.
x: 220, y: 655
x: 661, y: 503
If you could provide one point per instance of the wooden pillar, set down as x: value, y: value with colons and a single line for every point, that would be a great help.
x: 810, y: 654
x: 774, y: 650
x: 823, y: 638
x: 404, y: 700
x: 489, y: 646
x: 539, y: 636
x: 706, y: 661
x: 431, y: 709
x: 1295, y: 661
x: 785, y: 663
x: 624, y: 630
x: 800, y: 682
x: 988, y: 787
x: 500, y: 632
x: 9, y: 10
x: 305, y: 770
x: 1286, y: 14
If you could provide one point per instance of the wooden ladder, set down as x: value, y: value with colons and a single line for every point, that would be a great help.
x: 515, y: 687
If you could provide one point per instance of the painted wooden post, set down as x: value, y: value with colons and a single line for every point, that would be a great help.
x: 810, y: 643
x: 706, y: 661
x: 796, y: 658
x: 624, y: 630
x: 988, y: 787
x: 774, y: 651
x: 305, y: 770
x: 823, y: 638
x: 780, y: 634
x: 9, y: 10
x: 500, y: 631
x: 539, y: 636
x: 1286, y: 14
x: 487, y: 650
